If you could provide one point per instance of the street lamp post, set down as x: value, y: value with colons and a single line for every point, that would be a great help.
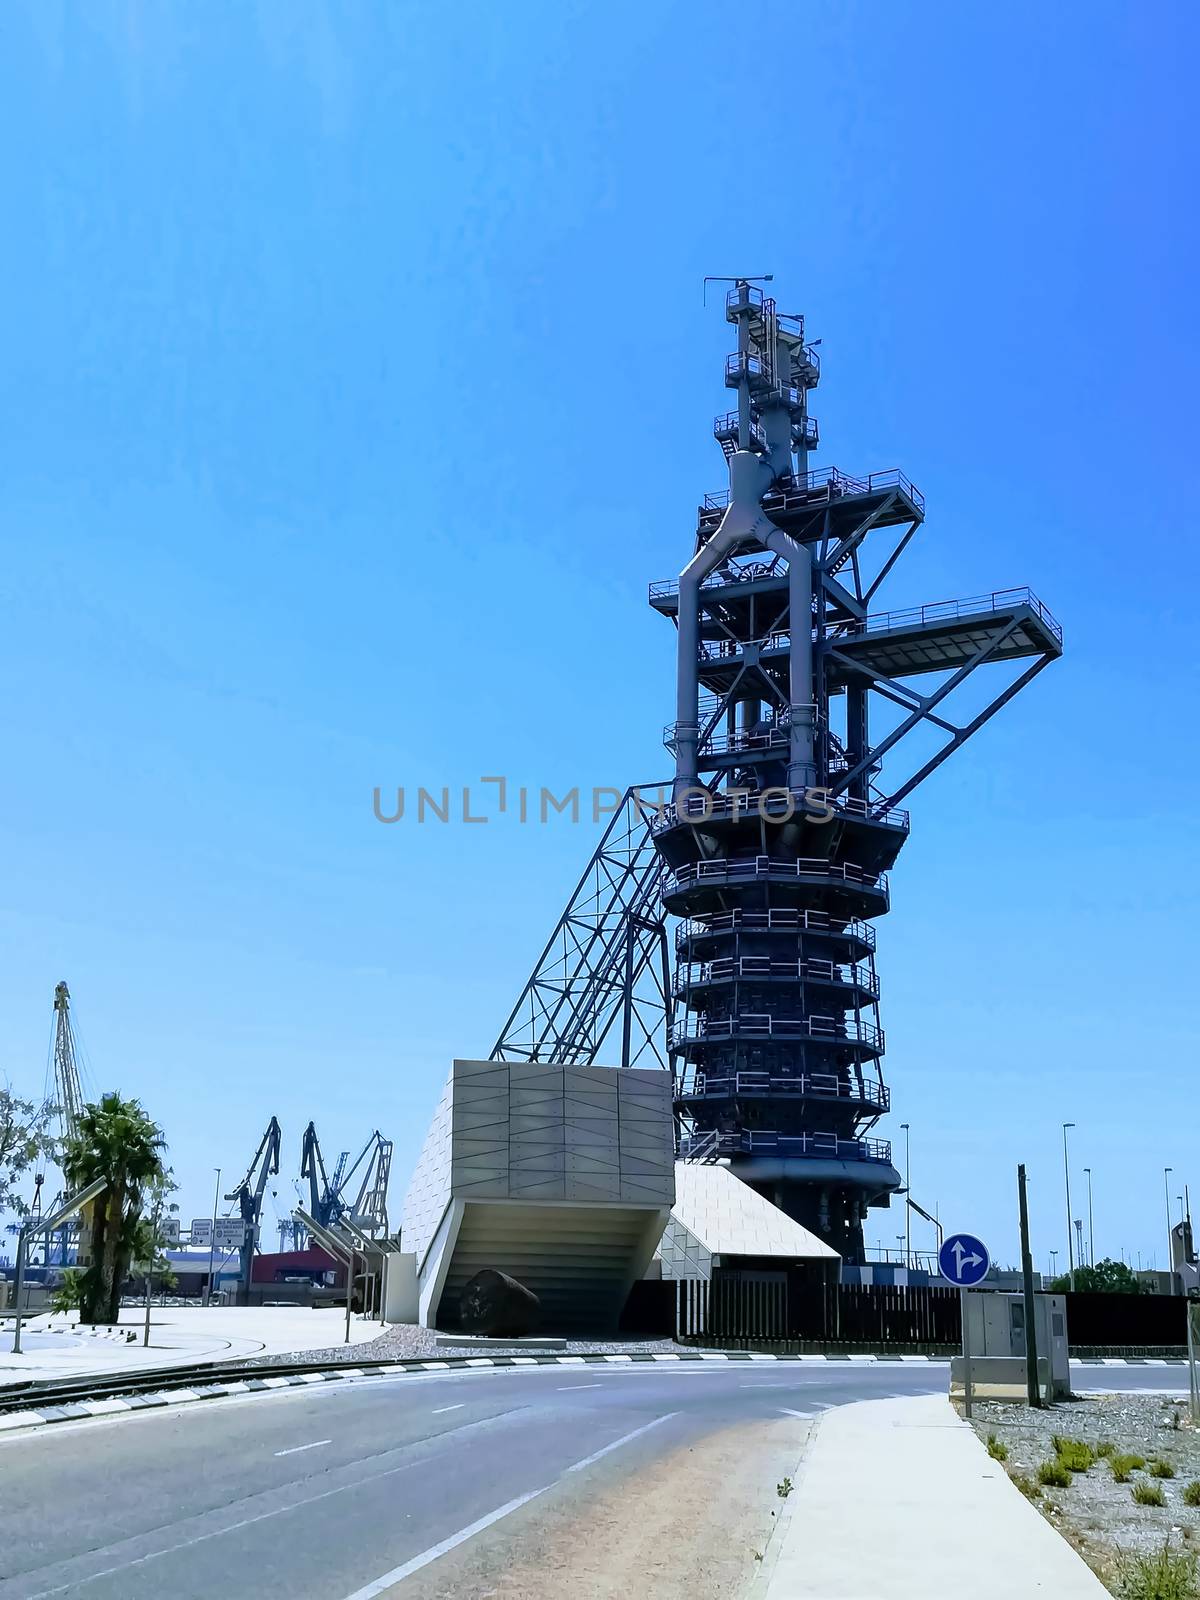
x: 1067, y: 1180
x: 1167, y: 1171
x: 907, y: 1191
x: 1053, y: 1264
x: 1091, y: 1230
x: 212, y: 1243
x: 150, y: 1267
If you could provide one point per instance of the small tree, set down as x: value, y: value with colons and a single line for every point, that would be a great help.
x: 148, y: 1258
x: 1106, y: 1277
x: 116, y: 1141
x: 25, y: 1138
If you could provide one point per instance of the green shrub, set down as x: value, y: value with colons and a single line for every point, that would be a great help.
x: 1122, y: 1465
x: 996, y: 1449
x: 1105, y: 1448
x: 69, y: 1294
x: 1053, y: 1474
x: 1166, y: 1575
x: 1026, y: 1485
x: 1191, y: 1493
x: 1075, y: 1454
x: 1148, y: 1494
x: 1161, y: 1469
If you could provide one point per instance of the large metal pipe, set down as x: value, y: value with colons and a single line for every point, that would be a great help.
x: 802, y: 770
x: 749, y: 479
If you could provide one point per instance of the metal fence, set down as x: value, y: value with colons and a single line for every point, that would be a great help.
x: 1102, y: 1321
x: 792, y: 1308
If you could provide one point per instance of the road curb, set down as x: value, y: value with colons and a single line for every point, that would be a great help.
x: 260, y: 1380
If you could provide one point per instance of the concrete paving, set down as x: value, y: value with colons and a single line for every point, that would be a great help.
x: 578, y: 1480
x: 898, y: 1500
x: 178, y: 1335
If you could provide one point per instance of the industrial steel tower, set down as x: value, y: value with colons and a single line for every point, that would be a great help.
x: 775, y: 847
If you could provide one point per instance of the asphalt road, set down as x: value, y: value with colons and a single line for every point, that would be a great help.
x: 413, y: 1485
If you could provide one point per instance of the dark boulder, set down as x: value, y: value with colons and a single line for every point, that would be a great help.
x: 497, y: 1306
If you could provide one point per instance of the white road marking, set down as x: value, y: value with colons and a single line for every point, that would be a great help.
x: 566, y: 1388
x: 438, y: 1410
x: 380, y: 1585
x: 217, y: 1533
x: 296, y: 1448
x: 617, y: 1443
x: 435, y: 1551
x: 786, y: 1411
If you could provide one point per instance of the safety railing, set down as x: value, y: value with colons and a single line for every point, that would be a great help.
x: 830, y: 483
x: 815, y: 969
x: 771, y: 802
x: 722, y: 743
x: 752, y: 867
x: 803, y: 1085
x: 745, y: 364
x: 744, y: 296
x: 730, y: 649
x: 946, y: 611
x: 730, y: 573
x: 811, y: 1145
x: 762, y: 1025
x: 780, y: 919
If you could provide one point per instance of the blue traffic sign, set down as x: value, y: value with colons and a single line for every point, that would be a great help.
x: 964, y: 1260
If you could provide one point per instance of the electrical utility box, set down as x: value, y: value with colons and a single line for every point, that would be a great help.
x: 996, y: 1340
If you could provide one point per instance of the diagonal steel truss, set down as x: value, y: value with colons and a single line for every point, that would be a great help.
x: 605, y: 966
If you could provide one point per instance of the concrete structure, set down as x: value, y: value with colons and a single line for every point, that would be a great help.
x: 562, y: 1177
x: 779, y: 834
x: 719, y: 1221
x: 996, y: 1329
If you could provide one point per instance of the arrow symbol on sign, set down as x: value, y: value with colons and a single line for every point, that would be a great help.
x: 963, y: 1259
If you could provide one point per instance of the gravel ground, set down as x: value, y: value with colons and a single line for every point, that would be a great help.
x: 1098, y: 1515
x: 405, y: 1343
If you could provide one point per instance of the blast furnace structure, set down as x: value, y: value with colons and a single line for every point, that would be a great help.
x: 792, y: 688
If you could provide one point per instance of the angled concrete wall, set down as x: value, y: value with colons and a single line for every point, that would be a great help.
x: 719, y: 1219
x: 561, y: 1176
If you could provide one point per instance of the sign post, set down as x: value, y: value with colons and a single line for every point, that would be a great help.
x: 963, y: 1261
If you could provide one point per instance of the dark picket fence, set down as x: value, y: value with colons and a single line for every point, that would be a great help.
x: 1108, y: 1321
x: 794, y: 1310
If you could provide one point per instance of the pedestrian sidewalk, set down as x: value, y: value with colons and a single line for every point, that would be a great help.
x: 53, y: 1346
x: 898, y: 1500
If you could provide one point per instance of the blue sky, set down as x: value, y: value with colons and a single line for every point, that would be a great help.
x: 357, y: 383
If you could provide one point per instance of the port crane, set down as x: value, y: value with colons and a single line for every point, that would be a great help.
x: 249, y: 1195
x: 328, y: 1200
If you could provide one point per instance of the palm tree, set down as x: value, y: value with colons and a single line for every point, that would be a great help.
x: 116, y: 1141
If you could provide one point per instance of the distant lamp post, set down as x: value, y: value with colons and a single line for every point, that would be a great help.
x: 1079, y: 1238
x: 1167, y: 1171
x: 904, y: 1128
x: 212, y: 1243
x: 1067, y: 1180
x: 1053, y: 1265
x: 1091, y: 1230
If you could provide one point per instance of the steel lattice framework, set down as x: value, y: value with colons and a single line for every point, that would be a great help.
x: 606, y: 962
